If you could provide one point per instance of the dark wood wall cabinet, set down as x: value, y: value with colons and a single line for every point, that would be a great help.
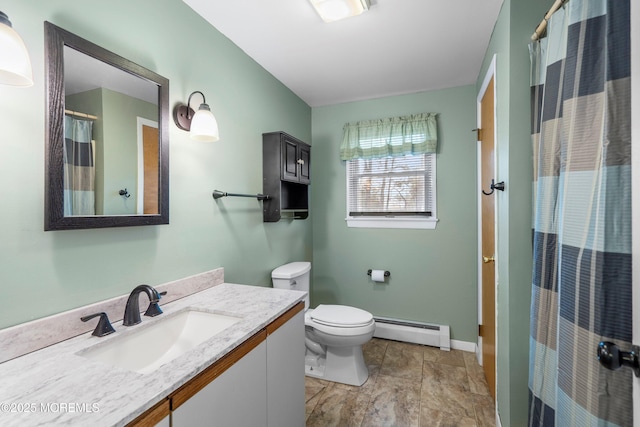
x: 286, y: 169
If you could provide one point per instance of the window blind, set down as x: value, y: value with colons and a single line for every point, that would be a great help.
x: 391, y: 186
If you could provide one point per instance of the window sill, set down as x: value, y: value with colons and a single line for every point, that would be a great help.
x: 414, y: 223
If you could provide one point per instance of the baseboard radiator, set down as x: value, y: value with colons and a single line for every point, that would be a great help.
x: 413, y: 332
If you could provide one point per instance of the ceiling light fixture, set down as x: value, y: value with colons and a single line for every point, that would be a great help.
x: 202, y: 125
x: 15, y: 65
x: 335, y: 10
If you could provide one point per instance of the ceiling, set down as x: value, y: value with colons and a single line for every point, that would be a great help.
x: 397, y: 47
x: 83, y: 72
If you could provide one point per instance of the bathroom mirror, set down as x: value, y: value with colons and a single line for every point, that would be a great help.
x: 107, y: 137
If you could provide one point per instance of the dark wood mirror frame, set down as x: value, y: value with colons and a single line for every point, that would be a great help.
x: 56, y: 39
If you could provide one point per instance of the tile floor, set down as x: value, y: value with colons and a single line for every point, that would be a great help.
x: 408, y: 385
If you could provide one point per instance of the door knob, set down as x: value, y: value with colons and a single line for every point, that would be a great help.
x: 612, y: 358
x: 487, y: 259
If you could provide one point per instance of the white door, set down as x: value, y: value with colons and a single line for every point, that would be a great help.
x: 635, y: 135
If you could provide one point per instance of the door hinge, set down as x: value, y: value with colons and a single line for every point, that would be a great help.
x: 480, y: 330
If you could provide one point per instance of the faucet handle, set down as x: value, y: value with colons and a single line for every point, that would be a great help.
x: 103, y: 327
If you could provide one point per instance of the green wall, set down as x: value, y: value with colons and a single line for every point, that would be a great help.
x: 433, y: 272
x: 42, y: 273
x: 511, y: 35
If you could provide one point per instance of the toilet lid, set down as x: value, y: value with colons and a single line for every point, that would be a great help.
x: 291, y: 270
x: 341, y: 316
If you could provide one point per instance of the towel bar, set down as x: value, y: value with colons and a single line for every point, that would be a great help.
x: 217, y: 194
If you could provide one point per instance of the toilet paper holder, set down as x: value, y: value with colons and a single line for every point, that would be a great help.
x: 386, y: 273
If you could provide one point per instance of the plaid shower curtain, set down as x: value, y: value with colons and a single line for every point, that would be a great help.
x: 581, y: 293
x: 79, y: 168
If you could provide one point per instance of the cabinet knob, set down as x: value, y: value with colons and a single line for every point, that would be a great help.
x: 300, y: 162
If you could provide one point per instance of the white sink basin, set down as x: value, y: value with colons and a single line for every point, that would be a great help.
x: 145, y: 349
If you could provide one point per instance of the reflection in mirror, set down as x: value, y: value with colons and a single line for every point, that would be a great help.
x: 105, y: 110
x: 107, y: 153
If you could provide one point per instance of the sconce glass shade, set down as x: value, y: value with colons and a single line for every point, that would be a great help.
x: 201, y: 125
x: 335, y: 10
x: 204, y: 126
x: 15, y: 65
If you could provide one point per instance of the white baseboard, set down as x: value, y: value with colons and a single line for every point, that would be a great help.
x: 463, y: 345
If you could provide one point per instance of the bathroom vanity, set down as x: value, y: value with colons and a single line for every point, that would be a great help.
x: 250, y: 373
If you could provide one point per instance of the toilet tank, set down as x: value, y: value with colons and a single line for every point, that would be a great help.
x: 295, y: 276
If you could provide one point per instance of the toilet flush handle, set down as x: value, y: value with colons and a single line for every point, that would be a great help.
x: 293, y: 283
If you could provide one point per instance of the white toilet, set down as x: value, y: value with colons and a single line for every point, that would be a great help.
x: 334, y: 333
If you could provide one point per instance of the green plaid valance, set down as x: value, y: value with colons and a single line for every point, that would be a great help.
x: 395, y: 136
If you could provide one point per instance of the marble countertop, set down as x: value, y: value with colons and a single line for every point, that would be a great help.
x: 56, y: 386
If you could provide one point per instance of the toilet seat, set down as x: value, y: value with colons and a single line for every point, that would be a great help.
x: 341, y: 316
x: 350, y: 321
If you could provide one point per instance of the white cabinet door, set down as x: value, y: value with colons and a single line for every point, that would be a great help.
x: 237, y: 398
x: 285, y: 374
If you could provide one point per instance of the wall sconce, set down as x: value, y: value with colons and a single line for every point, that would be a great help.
x: 202, y: 126
x: 335, y: 10
x: 15, y: 65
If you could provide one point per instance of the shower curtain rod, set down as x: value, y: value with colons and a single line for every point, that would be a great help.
x: 83, y: 115
x: 542, y: 27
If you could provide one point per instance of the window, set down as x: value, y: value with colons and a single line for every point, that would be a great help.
x: 392, y: 192
x: 391, y: 172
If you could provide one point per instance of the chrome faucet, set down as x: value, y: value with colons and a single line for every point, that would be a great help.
x: 132, y: 310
